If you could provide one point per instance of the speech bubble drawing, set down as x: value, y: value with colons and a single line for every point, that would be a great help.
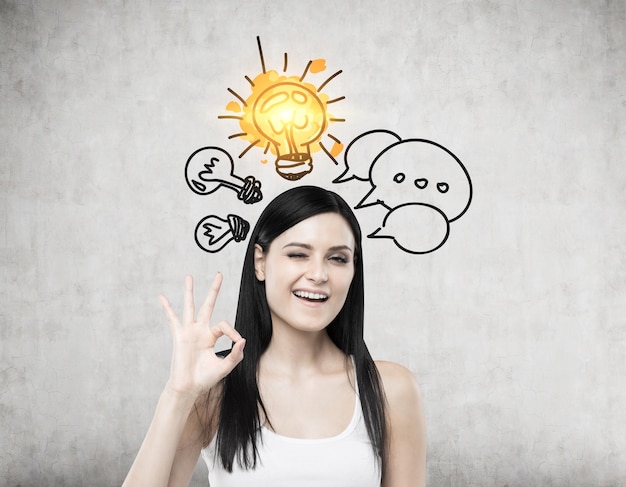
x: 415, y: 228
x: 362, y: 151
x: 419, y: 171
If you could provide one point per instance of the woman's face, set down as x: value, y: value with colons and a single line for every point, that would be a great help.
x: 307, y: 272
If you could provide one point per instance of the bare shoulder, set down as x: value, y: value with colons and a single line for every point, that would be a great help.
x: 401, y: 387
x: 407, y: 429
x: 397, y: 378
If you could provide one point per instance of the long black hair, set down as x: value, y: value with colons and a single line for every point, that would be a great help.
x: 239, y: 419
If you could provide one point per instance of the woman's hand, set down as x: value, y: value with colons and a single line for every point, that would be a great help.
x: 195, y: 368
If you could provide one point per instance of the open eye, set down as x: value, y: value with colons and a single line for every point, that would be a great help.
x: 421, y: 183
x: 443, y: 187
x: 398, y: 178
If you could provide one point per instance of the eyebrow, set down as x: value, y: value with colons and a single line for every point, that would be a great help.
x: 334, y: 248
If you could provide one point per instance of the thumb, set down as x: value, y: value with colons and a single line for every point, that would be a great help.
x: 234, y: 357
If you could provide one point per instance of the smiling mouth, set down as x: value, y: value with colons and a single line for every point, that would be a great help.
x: 315, y: 297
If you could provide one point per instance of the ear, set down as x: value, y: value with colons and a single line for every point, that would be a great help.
x: 259, y: 262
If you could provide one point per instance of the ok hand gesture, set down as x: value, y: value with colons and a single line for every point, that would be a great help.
x: 195, y: 368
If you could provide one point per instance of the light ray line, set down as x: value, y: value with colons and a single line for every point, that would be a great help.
x: 239, y: 97
x: 258, y: 41
x: 331, y: 136
x: 335, y: 100
x: 328, y: 154
x: 252, y: 144
x: 306, y: 70
x: 328, y: 80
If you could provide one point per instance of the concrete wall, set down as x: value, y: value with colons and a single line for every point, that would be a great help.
x: 515, y: 327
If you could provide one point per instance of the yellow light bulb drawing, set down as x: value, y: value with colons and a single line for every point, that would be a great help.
x: 291, y: 117
x: 288, y: 117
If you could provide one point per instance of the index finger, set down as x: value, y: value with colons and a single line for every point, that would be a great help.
x: 188, y: 306
x: 206, y: 310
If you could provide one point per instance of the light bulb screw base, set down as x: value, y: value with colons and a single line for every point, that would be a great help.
x: 294, y: 166
x: 250, y: 192
x: 239, y: 227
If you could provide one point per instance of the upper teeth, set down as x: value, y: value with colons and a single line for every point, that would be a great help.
x: 307, y: 295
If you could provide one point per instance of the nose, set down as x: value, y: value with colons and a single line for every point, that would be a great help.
x: 317, y: 271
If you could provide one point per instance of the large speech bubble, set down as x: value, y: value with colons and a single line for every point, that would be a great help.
x: 419, y: 171
x: 415, y: 228
x: 362, y: 151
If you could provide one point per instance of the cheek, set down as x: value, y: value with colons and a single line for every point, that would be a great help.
x: 345, y: 281
x: 272, y: 284
x: 281, y: 275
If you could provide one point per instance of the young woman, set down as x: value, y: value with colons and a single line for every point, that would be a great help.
x: 307, y: 406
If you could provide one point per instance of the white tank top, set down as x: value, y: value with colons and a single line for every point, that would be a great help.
x: 345, y: 460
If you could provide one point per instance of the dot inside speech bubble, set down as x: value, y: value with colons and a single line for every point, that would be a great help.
x: 415, y: 228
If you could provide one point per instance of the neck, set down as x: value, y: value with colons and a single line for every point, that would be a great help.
x: 295, y: 352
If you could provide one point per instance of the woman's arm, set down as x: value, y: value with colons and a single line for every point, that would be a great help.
x: 155, y: 460
x: 172, y: 444
x: 191, y: 442
x: 406, y: 455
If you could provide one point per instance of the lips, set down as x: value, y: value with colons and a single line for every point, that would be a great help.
x: 311, y: 296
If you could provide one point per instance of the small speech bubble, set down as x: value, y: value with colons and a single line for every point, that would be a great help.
x: 415, y: 228
x: 362, y: 151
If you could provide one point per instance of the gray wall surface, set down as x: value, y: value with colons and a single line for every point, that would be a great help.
x: 515, y: 328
